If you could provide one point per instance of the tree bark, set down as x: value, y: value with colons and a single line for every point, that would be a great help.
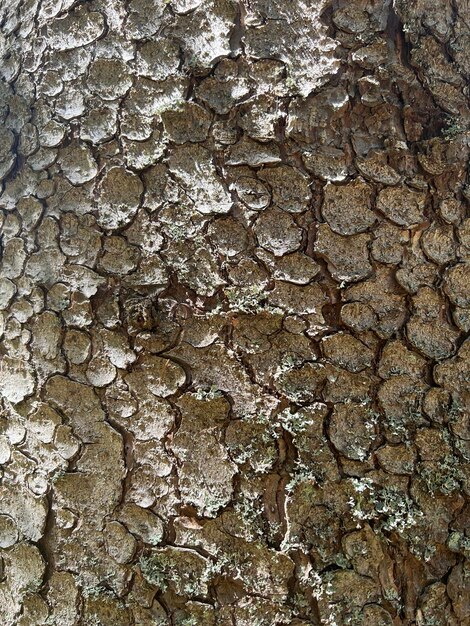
x: 234, y: 311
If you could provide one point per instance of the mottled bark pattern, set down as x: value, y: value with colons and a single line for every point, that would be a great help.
x: 234, y: 301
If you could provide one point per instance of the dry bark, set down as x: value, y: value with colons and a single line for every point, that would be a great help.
x: 234, y: 310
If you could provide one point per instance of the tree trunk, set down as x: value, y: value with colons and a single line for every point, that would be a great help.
x: 234, y: 290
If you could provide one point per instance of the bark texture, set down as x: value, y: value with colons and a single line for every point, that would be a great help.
x: 234, y: 301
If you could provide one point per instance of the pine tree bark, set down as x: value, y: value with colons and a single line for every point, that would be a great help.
x: 234, y: 312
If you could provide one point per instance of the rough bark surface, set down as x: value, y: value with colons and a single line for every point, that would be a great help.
x: 234, y: 294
